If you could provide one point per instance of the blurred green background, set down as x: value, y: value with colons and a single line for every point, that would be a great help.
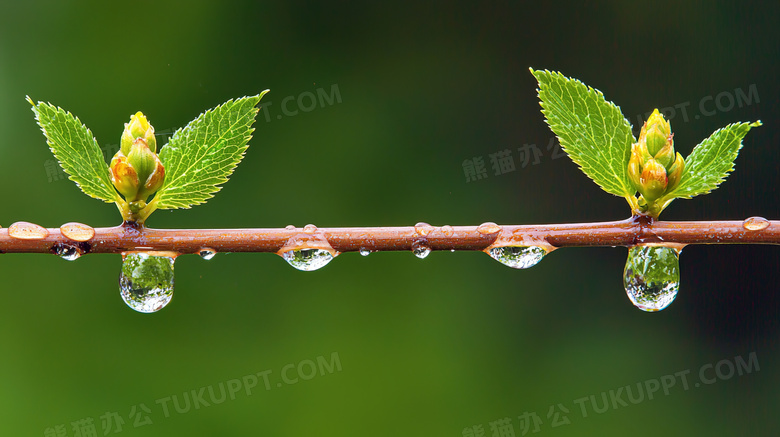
x: 439, y: 347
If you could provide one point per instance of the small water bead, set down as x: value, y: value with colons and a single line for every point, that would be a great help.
x: 146, y: 281
x: 27, y: 231
x: 207, y: 253
x: 488, y: 228
x: 308, y: 260
x: 364, y: 251
x: 67, y: 252
x: 447, y: 230
x: 421, y: 249
x: 310, y: 229
x: 423, y: 229
x: 290, y: 227
x: 77, y: 231
x: 518, y: 257
x: 755, y: 223
x: 652, y: 276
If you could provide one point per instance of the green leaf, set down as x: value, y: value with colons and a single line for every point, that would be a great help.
x: 592, y: 131
x: 711, y: 161
x: 202, y: 155
x: 76, y: 149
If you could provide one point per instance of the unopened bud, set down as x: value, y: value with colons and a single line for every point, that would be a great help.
x: 139, y: 174
x: 138, y: 127
x: 654, y: 167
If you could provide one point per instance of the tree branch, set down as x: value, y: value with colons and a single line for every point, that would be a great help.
x: 28, y: 238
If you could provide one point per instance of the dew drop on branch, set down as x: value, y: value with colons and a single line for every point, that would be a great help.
x: 447, y: 230
x: 27, y: 231
x: 77, y: 231
x: 146, y: 281
x: 488, y: 228
x: 423, y: 229
x: 755, y: 223
x: 518, y: 257
x: 652, y: 276
x: 307, y: 260
x: 364, y: 251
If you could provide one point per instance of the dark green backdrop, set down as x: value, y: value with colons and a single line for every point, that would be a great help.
x: 440, y: 347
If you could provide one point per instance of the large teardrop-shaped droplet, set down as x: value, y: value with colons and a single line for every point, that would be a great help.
x: 518, y: 257
x: 652, y: 276
x: 146, y: 281
x: 307, y: 259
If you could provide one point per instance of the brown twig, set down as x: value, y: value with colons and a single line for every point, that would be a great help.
x: 27, y: 238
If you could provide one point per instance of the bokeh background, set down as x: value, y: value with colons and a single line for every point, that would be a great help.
x: 434, y: 347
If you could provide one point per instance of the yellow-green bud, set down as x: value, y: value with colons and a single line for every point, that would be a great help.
x: 138, y: 127
x: 139, y: 174
x: 674, y: 174
x: 653, y: 181
x: 123, y: 176
x: 654, y: 167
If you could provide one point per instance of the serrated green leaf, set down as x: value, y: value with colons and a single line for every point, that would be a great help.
x: 592, y: 131
x: 711, y: 161
x: 202, y: 155
x: 76, y: 149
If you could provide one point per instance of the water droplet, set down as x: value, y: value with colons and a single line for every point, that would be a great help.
x: 146, y: 282
x: 447, y: 230
x: 423, y: 229
x: 488, y: 228
x: 290, y: 227
x: 67, y: 252
x: 755, y: 223
x: 27, y: 231
x: 364, y: 251
x: 518, y: 257
x: 421, y: 249
x: 452, y: 250
x: 310, y: 229
x: 207, y: 253
x: 77, y: 231
x: 307, y: 259
x: 652, y: 276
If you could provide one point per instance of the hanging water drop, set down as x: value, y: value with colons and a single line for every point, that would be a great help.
x: 421, y: 249
x: 488, y: 228
x: 307, y: 260
x: 652, y: 276
x: 755, y: 223
x: 364, y: 251
x: 146, y: 282
x: 67, y: 252
x: 518, y: 257
x: 207, y: 253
